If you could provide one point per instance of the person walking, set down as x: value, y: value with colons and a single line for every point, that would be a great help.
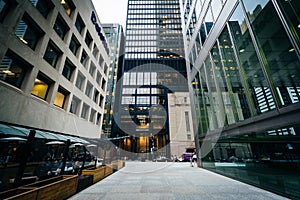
x: 194, y: 159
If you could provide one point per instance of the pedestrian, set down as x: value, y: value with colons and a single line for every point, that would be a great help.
x: 194, y: 158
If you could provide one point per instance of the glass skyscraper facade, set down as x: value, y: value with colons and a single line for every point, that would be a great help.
x: 154, y: 66
x: 115, y: 37
x: 244, y: 68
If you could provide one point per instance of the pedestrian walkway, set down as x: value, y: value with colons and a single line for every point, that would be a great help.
x: 168, y: 181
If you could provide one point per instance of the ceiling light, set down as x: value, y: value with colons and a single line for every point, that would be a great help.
x: 291, y: 50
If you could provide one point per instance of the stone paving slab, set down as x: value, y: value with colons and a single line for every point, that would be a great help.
x: 171, y: 181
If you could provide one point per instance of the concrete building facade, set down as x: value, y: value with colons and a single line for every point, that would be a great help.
x: 54, y: 66
x: 180, y: 122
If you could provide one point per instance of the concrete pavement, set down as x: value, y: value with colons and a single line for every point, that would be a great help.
x: 162, y: 180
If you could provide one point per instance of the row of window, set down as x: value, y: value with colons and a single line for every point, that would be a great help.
x: 154, y: 6
x: 166, y: 2
x: 248, y: 86
x: 14, y: 70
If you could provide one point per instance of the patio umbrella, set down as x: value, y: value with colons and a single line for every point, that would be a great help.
x: 55, y: 142
x: 91, y: 145
x: 13, y: 139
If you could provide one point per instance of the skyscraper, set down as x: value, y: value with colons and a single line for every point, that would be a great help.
x: 245, y: 60
x: 115, y: 37
x: 154, y: 66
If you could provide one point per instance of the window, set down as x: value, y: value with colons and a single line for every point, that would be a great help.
x: 98, y: 78
x: 44, y: 6
x: 52, y: 54
x: 96, y: 94
x: 74, y: 45
x: 101, y: 60
x: 105, y: 68
x: 13, y: 69
x: 88, y: 39
x: 92, y: 70
x: 79, y: 24
x: 68, y: 69
x: 60, y: 27
x: 103, y: 84
x: 98, y: 118
x: 101, y: 101
x: 41, y: 86
x: 68, y: 6
x: 95, y: 51
x: 28, y: 32
x: 187, y: 121
x: 75, y: 105
x: 88, y: 89
x: 83, y: 58
x: 5, y: 6
x: 61, y: 97
x: 92, y: 115
x: 84, y: 111
x: 79, y: 81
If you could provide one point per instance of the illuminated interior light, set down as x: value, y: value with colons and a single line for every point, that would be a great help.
x: 8, y: 72
x: 298, y: 25
x: 63, y: 2
x: 291, y: 50
x: 242, y: 50
x: 24, y: 41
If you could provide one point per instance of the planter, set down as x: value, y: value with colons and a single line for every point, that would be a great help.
x: 84, y: 181
x: 108, y: 170
x: 98, y: 173
x: 117, y: 164
x: 19, y: 194
x: 60, y: 187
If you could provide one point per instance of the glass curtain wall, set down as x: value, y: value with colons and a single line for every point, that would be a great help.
x: 154, y: 66
x: 247, y: 92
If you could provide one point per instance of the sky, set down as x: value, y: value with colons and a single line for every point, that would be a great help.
x: 111, y: 11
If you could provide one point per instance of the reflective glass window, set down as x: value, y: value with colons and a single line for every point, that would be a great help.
x: 84, y: 111
x: 88, y: 89
x: 88, y: 39
x: 68, y: 69
x: 92, y: 69
x: 280, y: 59
x: 68, y: 6
x: 60, y: 27
x: 41, y: 86
x: 52, y: 54
x: 61, y: 97
x: 5, y: 6
x: 80, y: 81
x: 74, y: 45
x: 208, y: 97
x: 84, y: 58
x: 28, y: 32
x: 251, y: 70
x: 79, y: 24
x: 75, y: 104
x: 92, y: 115
x: 232, y: 76
x: 208, y: 20
x: 44, y: 6
x: 291, y: 10
x: 13, y: 69
x: 215, y: 92
x: 216, y: 6
x: 220, y: 74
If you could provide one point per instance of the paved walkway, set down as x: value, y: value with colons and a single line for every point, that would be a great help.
x: 168, y: 181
